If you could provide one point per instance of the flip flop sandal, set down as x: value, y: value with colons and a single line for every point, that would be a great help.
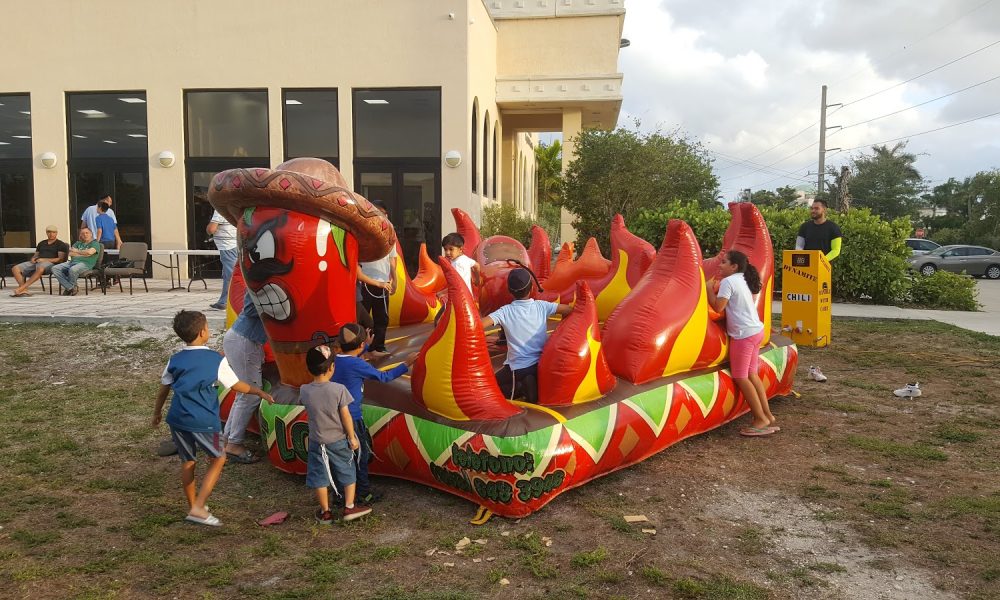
x: 774, y: 428
x: 756, y: 431
x: 210, y: 520
x: 247, y: 458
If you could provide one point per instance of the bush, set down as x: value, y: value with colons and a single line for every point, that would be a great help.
x: 503, y: 219
x: 944, y: 290
x: 871, y: 266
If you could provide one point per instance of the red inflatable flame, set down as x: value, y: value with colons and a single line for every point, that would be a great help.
x: 573, y: 368
x: 540, y: 253
x: 453, y: 376
x: 561, y: 285
x: 662, y: 326
x: 430, y: 277
x: 748, y: 233
x: 407, y: 305
x: 468, y: 230
x: 631, y: 256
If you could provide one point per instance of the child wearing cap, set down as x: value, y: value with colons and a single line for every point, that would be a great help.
x: 332, y: 439
x: 524, y: 321
x: 351, y: 371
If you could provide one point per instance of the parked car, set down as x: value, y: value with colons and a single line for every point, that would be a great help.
x: 921, y: 246
x: 974, y: 260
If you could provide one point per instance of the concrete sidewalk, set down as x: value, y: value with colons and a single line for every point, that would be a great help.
x: 157, y: 308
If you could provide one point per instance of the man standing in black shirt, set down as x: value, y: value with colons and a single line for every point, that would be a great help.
x: 819, y: 233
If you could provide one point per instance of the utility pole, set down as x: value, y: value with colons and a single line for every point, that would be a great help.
x: 822, y: 140
x: 822, y: 143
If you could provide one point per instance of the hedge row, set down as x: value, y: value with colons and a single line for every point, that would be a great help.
x: 871, y: 267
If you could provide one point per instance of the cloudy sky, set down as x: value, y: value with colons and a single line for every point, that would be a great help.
x: 745, y: 77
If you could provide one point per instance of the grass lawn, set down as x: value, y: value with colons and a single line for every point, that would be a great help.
x: 861, y: 495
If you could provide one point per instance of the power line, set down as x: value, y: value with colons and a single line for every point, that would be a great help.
x: 785, y: 141
x: 736, y: 160
x: 916, y: 105
x: 938, y: 68
x: 913, y: 135
x: 913, y: 43
x: 780, y: 160
x: 763, y: 183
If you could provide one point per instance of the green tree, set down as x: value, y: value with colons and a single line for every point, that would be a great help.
x: 548, y: 170
x: 886, y: 181
x: 783, y: 197
x: 625, y: 171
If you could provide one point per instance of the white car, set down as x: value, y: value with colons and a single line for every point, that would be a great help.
x: 921, y: 246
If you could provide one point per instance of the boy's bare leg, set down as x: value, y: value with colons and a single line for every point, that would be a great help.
x: 187, y: 480
x: 207, y: 484
x: 762, y: 395
x: 323, y: 497
x: 349, y: 494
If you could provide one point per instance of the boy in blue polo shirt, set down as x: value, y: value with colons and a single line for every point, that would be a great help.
x: 524, y: 321
x: 194, y: 412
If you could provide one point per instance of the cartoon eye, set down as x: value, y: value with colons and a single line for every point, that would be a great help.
x: 264, y: 248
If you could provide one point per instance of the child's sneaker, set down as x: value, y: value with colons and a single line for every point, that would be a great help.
x: 356, y: 512
x: 910, y: 390
x: 817, y: 375
x: 324, y: 517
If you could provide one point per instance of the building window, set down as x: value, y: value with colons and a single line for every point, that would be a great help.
x: 475, y: 145
x: 226, y: 129
x: 17, y: 198
x: 311, y: 124
x: 395, y: 123
x: 486, y: 154
x: 109, y: 155
x: 496, y: 174
x: 227, y: 123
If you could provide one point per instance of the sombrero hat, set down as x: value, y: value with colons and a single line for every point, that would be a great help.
x: 307, y: 185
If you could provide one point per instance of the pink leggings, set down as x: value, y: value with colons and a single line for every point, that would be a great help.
x: 744, y: 356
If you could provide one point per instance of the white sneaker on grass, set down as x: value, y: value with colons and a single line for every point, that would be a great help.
x: 817, y: 375
x: 910, y: 390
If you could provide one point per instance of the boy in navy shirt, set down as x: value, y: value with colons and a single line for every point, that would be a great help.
x: 194, y: 412
x: 351, y: 371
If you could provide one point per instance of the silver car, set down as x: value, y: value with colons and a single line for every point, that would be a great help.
x: 921, y: 246
x: 974, y: 260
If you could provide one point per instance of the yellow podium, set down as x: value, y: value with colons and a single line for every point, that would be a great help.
x: 805, y: 297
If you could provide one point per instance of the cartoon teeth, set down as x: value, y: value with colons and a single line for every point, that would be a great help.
x: 272, y: 301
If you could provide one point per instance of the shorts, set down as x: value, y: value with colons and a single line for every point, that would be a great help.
x: 188, y: 443
x: 744, y: 355
x: 326, y: 460
x: 28, y: 267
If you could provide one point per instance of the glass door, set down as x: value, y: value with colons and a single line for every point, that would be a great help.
x: 411, y: 195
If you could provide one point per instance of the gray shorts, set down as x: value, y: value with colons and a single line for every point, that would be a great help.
x: 28, y: 267
x: 189, y: 442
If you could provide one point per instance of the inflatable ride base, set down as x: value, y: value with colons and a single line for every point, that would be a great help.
x: 516, y: 466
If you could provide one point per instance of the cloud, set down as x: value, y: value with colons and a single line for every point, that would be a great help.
x: 743, y: 77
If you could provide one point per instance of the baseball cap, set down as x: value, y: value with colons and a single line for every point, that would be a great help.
x: 51, y: 228
x: 518, y: 280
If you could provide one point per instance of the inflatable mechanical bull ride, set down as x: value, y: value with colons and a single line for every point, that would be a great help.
x: 639, y: 364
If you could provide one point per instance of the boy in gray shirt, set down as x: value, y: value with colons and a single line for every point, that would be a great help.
x: 332, y: 440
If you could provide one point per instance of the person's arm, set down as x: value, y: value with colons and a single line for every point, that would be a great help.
x: 100, y: 230
x: 245, y: 388
x: 345, y: 418
x: 118, y: 239
x: 477, y: 277
x: 88, y: 251
x: 60, y: 258
x: 161, y: 399
x: 487, y: 322
x: 392, y: 274
x: 564, y: 309
x: 370, y: 372
x: 227, y: 377
x: 834, y: 249
x: 800, y: 238
x: 34, y: 257
x: 717, y: 303
x: 211, y: 228
x: 371, y: 281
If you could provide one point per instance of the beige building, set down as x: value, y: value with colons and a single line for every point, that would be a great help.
x: 426, y: 105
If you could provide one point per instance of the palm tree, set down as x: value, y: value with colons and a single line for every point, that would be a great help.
x: 548, y: 168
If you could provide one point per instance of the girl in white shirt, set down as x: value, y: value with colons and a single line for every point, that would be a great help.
x: 736, y: 291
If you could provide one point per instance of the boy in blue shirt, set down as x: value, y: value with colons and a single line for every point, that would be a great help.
x: 351, y: 371
x: 194, y: 412
x: 524, y: 321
